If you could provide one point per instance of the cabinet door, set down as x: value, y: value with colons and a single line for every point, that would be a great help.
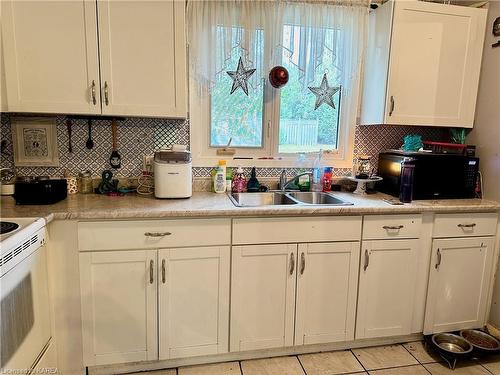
x: 194, y: 301
x: 458, y: 284
x: 50, y: 56
x: 327, y: 287
x: 3, y: 88
x: 143, y: 57
x: 119, y: 314
x: 435, y: 62
x: 262, y: 296
x: 387, y: 284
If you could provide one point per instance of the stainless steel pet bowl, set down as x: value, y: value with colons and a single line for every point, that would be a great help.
x: 482, y: 343
x: 450, y: 344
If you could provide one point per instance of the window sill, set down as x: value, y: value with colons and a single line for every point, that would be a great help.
x: 285, y: 162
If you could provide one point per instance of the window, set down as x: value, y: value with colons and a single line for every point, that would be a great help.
x: 236, y: 117
x: 301, y: 128
x: 270, y: 126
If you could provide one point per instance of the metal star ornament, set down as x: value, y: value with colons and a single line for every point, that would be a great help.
x: 324, y: 93
x: 240, y: 77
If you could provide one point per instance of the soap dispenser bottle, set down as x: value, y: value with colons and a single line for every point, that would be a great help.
x: 220, y: 180
x: 239, y: 181
x: 253, y: 185
x: 317, y: 184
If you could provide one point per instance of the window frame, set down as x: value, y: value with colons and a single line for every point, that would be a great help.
x: 205, y: 155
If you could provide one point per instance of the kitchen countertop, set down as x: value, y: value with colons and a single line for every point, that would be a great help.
x: 204, y: 204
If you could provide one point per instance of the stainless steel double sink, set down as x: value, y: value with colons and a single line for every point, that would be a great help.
x: 283, y: 198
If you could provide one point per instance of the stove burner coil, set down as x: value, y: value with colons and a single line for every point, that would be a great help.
x: 7, y: 227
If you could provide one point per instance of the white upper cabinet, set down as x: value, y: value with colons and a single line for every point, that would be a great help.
x: 51, y: 56
x: 423, y: 64
x: 3, y: 88
x: 327, y: 284
x: 459, y: 280
x: 54, y: 63
x: 387, y: 283
x: 143, y: 58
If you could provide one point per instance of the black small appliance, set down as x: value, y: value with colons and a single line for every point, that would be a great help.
x: 40, y: 191
x: 435, y: 176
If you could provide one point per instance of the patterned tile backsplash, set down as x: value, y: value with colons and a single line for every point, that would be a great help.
x: 141, y: 136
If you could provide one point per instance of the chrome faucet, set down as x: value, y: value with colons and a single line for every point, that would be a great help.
x: 284, y: 182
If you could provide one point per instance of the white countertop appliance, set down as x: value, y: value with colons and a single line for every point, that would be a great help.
x: 173, y: 174
x: 25, y: 316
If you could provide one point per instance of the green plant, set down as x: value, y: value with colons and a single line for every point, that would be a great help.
x: 458, y: 135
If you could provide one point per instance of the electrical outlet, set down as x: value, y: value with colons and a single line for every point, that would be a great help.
x: 147, y: 163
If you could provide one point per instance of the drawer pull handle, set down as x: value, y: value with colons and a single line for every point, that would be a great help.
x: 151, y: 276
x: 302, y: 263
x: 292, y: 263
x: 106, y: 98
x: 94, y: 101
x: 393, y: 227
x: 367, y: 260
x: 438, y: 263
x: 472, y: 225
x: 157, y: 234
x: 163, y: 272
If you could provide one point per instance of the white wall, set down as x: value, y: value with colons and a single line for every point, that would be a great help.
x: 486, y: 132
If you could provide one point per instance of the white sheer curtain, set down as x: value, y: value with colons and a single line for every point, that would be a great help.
x: 331, y: 36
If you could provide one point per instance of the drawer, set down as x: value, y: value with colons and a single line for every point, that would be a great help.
x: 154, y: 234
x: 465, y: 225
x: 391, y: 226
x: 296, y: 229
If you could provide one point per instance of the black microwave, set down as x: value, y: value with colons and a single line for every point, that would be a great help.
x: 436, y: 176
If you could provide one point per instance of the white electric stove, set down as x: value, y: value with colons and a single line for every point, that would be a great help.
x: 24, y: 309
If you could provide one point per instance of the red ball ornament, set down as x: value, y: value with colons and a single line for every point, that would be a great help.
x: 278, y: 77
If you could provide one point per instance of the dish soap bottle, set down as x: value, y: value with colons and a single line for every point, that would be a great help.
x: 253, y: 185
x: 327, y: 179
x: 304, y: 181
x: 317, y: 173
x: 220, y: 180
x: 239, y: 181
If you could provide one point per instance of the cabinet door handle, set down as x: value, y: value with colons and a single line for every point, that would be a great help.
x: 94, y: 101
x: 106, y: 99
x: 367, y: 260
x: 393, y: 227
x: 472, y: 225
x: 302, y: 263
x: 438, y: 263
x: 157, y: 234
x: 292, y: 263
x: 391, y: 110
x: 151, y: 274
x: 163, y: 272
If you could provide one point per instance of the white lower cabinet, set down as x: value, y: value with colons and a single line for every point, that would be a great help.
x: 460, y: 275
x: 262, y: 296
x: 327, y: 284
x: 122, y: 321
x: 119, y: 306
x: 387, y: 283
x: 264, y: 304
x: 206, y: 298
x: 193, y: 301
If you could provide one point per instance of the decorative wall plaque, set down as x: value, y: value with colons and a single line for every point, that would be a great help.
x: 35, y: 142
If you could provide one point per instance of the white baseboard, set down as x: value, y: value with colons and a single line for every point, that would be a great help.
x: 124, y: 368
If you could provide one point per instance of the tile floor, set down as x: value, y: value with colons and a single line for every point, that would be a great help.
x: 407, y: 359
